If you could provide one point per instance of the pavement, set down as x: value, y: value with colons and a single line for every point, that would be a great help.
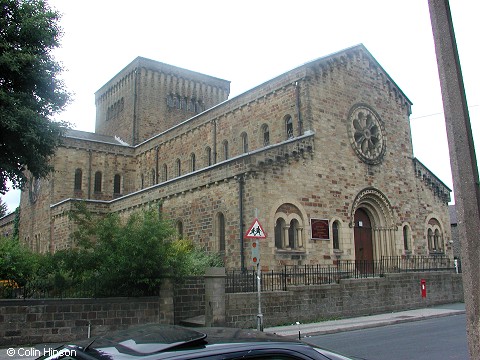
x: 324, y: 327
x: 365, y: 322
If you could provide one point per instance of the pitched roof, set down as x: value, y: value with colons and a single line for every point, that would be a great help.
x: 354, y: 49
x: 85, y: 135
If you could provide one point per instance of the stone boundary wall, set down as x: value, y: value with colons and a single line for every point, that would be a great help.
x: 59, y: 320
x: 189, y: 298
x: 352, y: 297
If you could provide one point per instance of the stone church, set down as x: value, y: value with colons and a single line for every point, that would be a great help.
x: 321, y: 156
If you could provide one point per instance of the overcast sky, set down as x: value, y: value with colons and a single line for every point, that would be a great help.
x: 251, y: 41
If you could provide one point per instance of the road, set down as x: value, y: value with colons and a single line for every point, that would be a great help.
x: 438, y: 338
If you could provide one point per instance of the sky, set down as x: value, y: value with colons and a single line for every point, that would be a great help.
x: 249, y: 42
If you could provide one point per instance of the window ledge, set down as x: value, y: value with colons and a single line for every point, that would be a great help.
x: 436, y: 252
x: 290, y: 251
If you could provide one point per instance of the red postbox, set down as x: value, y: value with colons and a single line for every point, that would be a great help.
x: 423, y: 286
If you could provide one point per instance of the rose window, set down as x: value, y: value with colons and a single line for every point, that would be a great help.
x: 367, y: 134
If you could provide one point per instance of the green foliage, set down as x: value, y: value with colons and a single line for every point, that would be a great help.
x: 18, y: 265
x: 111, y: 257
x: 3, y: 208
x: 191, y: 260
x: 30, y: 90
x: 132, y: 257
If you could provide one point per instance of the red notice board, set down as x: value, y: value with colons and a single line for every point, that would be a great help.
x: 320, y: 229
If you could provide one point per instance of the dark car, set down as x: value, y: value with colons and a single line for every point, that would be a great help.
x: 153, y: 342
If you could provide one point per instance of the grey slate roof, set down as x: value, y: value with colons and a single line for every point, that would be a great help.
x: 85, y: 135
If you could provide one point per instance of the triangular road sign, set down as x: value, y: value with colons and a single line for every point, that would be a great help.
x: 256, y: 231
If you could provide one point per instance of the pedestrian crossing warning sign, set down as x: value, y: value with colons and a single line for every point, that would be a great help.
x: 256, y: 231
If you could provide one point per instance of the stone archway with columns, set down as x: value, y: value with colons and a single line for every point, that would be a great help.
x: 286, y: 215
x: 381, y: 215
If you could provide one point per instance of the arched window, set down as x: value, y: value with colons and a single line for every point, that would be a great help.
x: 180, y: 229
x: 292, y: 234
x: 336, y: 235
x: 208, y: 155
x: 289, y: 228
x: 434, y: 236
x: 244, y: 137
x: 165, y: 172
x: 430, y: 239
x: 406, y: 237
x: 279, y: 233
x: 221, y: 232
x: 97, y: 185
x: 289, y: 127
x: 225, y: 150
x: 436, y: 240
x: 116, y: 184
x: 265, y: 135
x: 78, y: 180
x: 179, y: 167
x: 154, y: 180
x: 170, y: 100
x: 142, y: 181
x: 192, y: 162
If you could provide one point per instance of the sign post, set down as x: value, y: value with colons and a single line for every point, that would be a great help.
x: 255, y: 232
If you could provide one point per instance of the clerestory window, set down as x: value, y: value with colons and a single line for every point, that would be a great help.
x: 289, y: 127
x: 97, y: 185
x: 78, y: 180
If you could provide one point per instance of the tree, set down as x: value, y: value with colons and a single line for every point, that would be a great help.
x: 30, y: 90
x: 17, y: 262
x: 130, y: 257
x: 3, y: 208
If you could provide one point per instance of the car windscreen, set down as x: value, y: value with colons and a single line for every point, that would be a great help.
x: 145, y: 340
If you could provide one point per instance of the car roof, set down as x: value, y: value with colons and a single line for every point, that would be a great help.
x: 154, y: 342
x: 217, y: 335
x: 147, y: 339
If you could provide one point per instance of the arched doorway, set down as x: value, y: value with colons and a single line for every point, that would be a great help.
x: 375, y: 238
x: 363, y: 239
x: 362, y: 233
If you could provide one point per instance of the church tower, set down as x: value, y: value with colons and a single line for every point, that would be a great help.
x: 148, y: 97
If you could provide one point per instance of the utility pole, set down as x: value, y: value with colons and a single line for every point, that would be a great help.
x: 463, y: 162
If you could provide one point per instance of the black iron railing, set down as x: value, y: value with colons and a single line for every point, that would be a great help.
x: 246, y: 281
x: 79, y: 289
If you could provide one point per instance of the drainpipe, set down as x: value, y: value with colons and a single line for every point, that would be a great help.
x: 89, y: 173
x: 214, y: 150
x: 134, y: 127
x: 240, y: 225
x: 156, y: 164
x: 297, y: 107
